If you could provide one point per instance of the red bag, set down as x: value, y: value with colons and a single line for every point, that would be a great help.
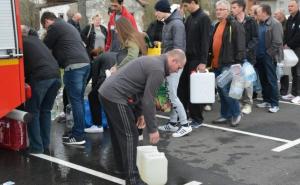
x: 13, y: 134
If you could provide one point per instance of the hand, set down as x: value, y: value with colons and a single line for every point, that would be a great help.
x: 141, y: 122
x: 113, y: 69
x: 201, y: 68
x: 154, y: 137
x: 286, y: 47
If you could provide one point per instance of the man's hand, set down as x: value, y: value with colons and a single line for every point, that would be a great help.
x: 141, y: 122
x: 154, y: 137
x: 201, y: 68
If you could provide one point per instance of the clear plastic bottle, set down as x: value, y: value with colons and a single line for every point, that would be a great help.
x: 69, y: 117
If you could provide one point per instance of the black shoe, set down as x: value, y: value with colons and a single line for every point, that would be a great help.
x: 220, y: 120
x: 195, y: 124
x: 73, y: 141
x: 46, y: 151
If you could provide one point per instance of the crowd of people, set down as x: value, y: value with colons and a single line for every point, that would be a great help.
x: 125, y: 80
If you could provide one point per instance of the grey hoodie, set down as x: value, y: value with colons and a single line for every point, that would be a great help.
x: 173, y: 33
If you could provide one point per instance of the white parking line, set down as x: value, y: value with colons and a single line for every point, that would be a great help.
x: 81, y: 168
x: 236, y: 131
x: 286, y: 146
x: 193, y: 183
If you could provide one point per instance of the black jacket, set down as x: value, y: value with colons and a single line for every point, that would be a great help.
x: 233, y: 49
x: 66, y: 44
x: 154, y: 31
x: 251, y: 30
x: 39, y: 63
x: 89, y: 38
x: 75, y: 24
x: 292, y: 32
x: 197, y: 27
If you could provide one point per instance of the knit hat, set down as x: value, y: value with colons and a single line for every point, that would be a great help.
x: 163, y: 6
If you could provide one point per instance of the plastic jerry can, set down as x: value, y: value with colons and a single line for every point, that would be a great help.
x: 202, y: 87
x: 154, y: 168
x: 141, y: 150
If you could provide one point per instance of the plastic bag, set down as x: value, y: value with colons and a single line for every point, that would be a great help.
x: 248, y: 72
x: 162, y: 100
x: 290, y: 58
x: 237, y: 87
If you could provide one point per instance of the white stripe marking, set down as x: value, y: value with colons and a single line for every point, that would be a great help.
x: 237, y: 131
x: 286, y: 146
x: 285, y: 102
x: 81, y: 168
x: 193, y: 183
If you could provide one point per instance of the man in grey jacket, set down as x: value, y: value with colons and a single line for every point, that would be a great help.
x: 268, y: 53
x: 173, y: 37
x: 135, y: 83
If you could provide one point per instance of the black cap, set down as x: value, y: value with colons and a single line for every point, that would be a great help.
x: 163, y: 6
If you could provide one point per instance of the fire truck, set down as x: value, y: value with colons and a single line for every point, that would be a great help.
x: 12, y: 82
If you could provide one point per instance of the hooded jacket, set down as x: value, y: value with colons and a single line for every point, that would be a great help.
x: 173, y: 33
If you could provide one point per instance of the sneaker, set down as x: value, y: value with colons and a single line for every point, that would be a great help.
x: 195, y: 124
x: 288, y: 97
x: 169, y: 127
x: 66, y: 135
x: 296, y: 100
x: 263, y: 105
x: 247, y: 109
x: 235, y: 121
x: 182, y: 131
x: 220, y: 120
x: 207, y: 108
x: 94, y: 129
x: 274, y: 109
x: 73, y: 141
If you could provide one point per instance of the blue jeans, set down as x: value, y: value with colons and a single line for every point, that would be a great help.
x: 267, y: 73
x: 40, y: 106
x: 75, y: 83
x: 230, y: 107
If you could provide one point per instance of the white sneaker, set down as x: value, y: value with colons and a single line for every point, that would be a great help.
x: 182, y: 131
x: 296, y: 100
x: 93, y: 129
x: 288, y: 97
x: 263, y: 105
x: 247, y: 109
x: 168, y: 127
x: 274, y: 109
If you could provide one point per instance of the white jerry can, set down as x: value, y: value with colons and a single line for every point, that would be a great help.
x: 202, y: 87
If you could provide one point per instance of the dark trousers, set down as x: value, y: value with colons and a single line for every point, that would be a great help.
x: 95, y: 107
x: 267, y: 73
x: 124, y: 138
x: 183, y: 91
x: 40, y: 106
x: 296, y: 75
x: 284, y: 85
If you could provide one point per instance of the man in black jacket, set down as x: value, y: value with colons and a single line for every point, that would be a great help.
x: 292, y: 40
x: 74, y: 20
x: 67, y: 47
x: 228, y: 47
x: 197, y: 27
x: 42, y: 74
x: 250, y: 26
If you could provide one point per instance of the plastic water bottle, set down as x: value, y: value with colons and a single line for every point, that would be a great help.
x: 69, y: 117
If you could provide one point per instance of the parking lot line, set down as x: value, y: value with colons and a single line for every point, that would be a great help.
x: 81, y: 168
x: 286, y: 146
x: 237, y: 131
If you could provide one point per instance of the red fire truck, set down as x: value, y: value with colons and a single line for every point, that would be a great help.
x: 12, y: 81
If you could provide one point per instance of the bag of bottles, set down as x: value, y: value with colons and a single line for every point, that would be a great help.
x: 248, y: 72
x: 224, y: 78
